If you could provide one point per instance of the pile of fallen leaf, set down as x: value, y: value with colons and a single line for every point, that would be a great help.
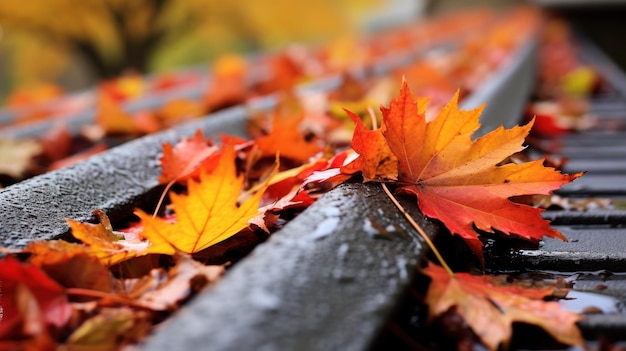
x: 117, y: 284
x: 234, y: 80
x: 561, y: 101
x: 228, y: 195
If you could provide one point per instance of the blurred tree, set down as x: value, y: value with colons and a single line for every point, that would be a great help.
x: 112, y: 36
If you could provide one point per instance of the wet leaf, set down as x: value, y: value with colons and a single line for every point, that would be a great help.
x: 180, y: 161
x: 286, y: 136
x: 109, y: 329
x: 71, y: 265
x: 49, y: 296
x: 210, y: 212
x: 185, y: 279
x: 490, y: 310
x: 112, y: 248
x: 459, y: 180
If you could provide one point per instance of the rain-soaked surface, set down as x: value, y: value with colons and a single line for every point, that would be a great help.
x: 356, y: 266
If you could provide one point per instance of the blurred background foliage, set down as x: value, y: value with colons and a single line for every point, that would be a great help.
x: 77, y: 43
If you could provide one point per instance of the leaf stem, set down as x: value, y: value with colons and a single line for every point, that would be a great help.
x: 372, y: 117
x: 419, y: 229
x: 162, y: 198
x: 105, y: 295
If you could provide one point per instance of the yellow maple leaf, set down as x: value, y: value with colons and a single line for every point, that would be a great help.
x: 110, y: 249
x: 209, y: 213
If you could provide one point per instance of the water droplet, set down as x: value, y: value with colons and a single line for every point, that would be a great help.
x: 342, y: 251
x: 578, y: 301
x: 264, y: 299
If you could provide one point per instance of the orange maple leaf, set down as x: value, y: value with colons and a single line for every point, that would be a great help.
x: 112, y: 248
x: 210, y: 212
x: 181, y: 161
x: 112, y: 118
x: 376, y: 159
x: 490, y: 310
x: 286, y: 137
x: 457, y: 180
x: 228, y: 84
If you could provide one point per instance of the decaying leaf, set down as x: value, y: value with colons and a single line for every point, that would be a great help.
x: 16, y: 155
x: 112, y: 248
x: 109, y: 329
x: 490, y: 310
x: 71, y: 265
x: 183, y: 280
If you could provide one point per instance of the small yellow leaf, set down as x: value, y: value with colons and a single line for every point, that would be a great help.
x: 111, y: 251
x: 209, y: 213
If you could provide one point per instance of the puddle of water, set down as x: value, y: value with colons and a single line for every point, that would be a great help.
x: 582, y: 301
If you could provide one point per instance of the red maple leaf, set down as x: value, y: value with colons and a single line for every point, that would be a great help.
x: 179, y: 162
x: 458, y: 180
x: 50, y: 297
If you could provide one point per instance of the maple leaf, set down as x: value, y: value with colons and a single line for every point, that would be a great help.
x: 490, y: 310
x: 459, y: 181
x: 112, y: 118
x: 376, y: 159
x: 210, y: 212
x: 286, y: 137
x: 112, y: 248
x: 49, y: 296
x: 180, y: 161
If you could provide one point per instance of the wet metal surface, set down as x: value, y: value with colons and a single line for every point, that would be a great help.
x: 331, y: 278
x: 115, y: 181
x: 326, y: 281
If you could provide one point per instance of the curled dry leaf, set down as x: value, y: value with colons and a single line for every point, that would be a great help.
x: 186, y: 278
x: 490, y: 310
x: 112, y: 248
x: 16, y: 156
